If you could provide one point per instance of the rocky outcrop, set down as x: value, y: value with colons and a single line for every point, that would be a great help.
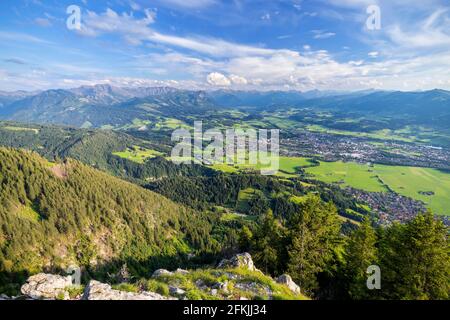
x: 47, y: 286
x: 175, y: 291
x: 101, y: 291
x: 182, y: 271
x: 161, y: 272
x: 243, y: 260
x: 236, y: 278
x: 287, y: 281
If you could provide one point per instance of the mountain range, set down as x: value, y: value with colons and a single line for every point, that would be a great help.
x: 99, y: 105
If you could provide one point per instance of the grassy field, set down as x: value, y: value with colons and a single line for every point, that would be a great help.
x: 384, y: 134
x: 290, y: 164
x: 11, y: 128
x: 348, y: 174
x: 287, y: 166
x: 232, y: 216
x: 138, y: 154
x: 428, y: 185
x: 137, y: 123
x: 417, y: 182
x: 243, y: 198
x: 170, y: 123
x: 28, y: 213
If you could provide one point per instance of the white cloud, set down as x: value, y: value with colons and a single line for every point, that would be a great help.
x: 373, y: 54
x: 238, y: 80
x: 322, y: 34
x: 432, y: 32
x: 356, y: 63
x: 355, y: 4
x: 218, y: 79
x: 135, y: 6
x: 189, y: 3
x: 135, y: 31
x: 266, y: 17
x: 23, y: 37
x: 210, y: 46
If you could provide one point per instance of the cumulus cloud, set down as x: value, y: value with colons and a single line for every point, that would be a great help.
x: 218, y: 79
x: 238, y: 80
x: 133, y: 30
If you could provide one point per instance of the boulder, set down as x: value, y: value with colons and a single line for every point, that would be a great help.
x: 243, y: 260
x: 287, y: 280
x: 161, y: 272
x: 175, y: 291
x: 182, y: 271
x: 101, y: 291
x: 46, y: 286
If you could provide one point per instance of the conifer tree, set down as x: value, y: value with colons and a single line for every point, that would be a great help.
x: 314, y: 232
x: 360, y: 253
x: 266, y: 243
x: 416, y: 260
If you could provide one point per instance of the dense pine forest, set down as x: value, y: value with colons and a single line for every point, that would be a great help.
x: 54, y: 214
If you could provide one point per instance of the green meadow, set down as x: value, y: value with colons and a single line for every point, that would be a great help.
x: 428, y: 185
x: 348, y: 174
x: 138, y: 154
x: 287, y: 166
x: 12, y: 128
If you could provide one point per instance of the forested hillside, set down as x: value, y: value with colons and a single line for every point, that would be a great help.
x: 94, y: 148
x: 55, y: 214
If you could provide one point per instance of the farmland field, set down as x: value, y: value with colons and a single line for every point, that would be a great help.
x: 348, y: 174
x: 417, y: 183
x: 428, y: 185
x: 138, y: 154
x: 287, y: 166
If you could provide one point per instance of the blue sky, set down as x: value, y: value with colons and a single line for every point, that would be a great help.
x: 236, y: 44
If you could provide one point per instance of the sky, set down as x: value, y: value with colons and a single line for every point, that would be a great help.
x: 230, y: 44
